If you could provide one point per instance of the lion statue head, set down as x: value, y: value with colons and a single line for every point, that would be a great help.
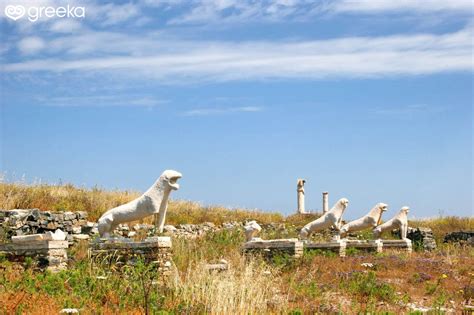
x: 169, y: 178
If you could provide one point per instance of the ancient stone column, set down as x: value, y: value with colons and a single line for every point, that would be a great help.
x: 300, y: 194
x: 325, y: 202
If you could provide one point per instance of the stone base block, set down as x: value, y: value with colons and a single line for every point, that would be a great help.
x: 49, y: 255
x: 398, y: 245
x: 338, y: 246
x: 120, y: 252
x: 269, y: 248
x: 367, y: 245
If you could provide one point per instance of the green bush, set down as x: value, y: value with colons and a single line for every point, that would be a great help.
x: 368, y: 289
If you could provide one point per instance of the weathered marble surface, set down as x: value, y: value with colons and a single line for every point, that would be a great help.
x: 300, y: 195
x: 399, y: 221
x: 48, y: 236
x: 325, y: 202
x: 268, y: 248
x: 371, y: 219
x: 153, y: 201
x: 252, y: 228
x: 338, y: 246
x: 404, y: 244
x: 368, y: 245
x: 331, y: 218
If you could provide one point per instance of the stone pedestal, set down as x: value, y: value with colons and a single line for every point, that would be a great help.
x: 338, y: 246
x: 49, y: 255
x: 269, y: 248
x: 404, y: 245
x: 119, y: 252
x: 366, y: 245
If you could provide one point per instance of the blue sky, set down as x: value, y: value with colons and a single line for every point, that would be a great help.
x: 369, y: 100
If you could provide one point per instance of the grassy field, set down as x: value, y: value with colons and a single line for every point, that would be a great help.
x: 316, y: 283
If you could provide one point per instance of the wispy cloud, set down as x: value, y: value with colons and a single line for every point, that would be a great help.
x: 408, y: 110
x: 413, y: 6
x: 235, y: 11
x: 31, y: 45
x: 101, y: 100
x: 348, y: 57
x: 222, y: 111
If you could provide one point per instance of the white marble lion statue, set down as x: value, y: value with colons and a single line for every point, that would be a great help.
x: 399, y: 221
x: 153, y: 201
x: 331, y: 218
x: 371, y: 219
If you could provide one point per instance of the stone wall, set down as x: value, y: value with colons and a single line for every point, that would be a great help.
x: 34, y: 221
x: 460, y: 237
x: 422, y: 237
x: 119, y: 253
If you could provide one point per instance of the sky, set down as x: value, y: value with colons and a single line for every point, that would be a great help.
x: 368, y: 100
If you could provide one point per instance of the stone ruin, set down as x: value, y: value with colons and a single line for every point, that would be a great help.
x: 300, y: 196
x: 466, y: 237
x: 31, y: 231
x: 153, y: 250
x: 332, y: 219
x: 422, y: 237
x: 15, y: 225
x: 34, y: 221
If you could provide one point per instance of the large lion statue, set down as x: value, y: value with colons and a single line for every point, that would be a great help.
x: 153, y: 201
x: 331, y: 218
x: 400, y: 221
x: 371, y: 219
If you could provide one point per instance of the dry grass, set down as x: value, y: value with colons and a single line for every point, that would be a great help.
x: 66, y: 197
x: 327, y: 284
x: 443, y: 225
x: 313, y: 284
x: 96, y: 201
x: 248, y: 287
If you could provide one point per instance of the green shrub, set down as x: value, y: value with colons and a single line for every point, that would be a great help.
x: 368, y: 289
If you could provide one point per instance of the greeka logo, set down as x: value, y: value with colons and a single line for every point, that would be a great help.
x: 16, y: 12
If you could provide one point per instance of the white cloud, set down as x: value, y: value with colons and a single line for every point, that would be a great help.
x: 234, y: 11
x: 31, y: 45
x: 65, y: 26
x: 112, y: 14
x: 229, y: 11
x: 102, y: 100
x: 222, y: 111
x: 371, y: 6
x: 184, y: 61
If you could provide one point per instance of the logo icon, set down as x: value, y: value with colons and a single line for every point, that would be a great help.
x: 14, y: 12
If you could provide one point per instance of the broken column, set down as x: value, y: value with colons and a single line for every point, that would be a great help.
x: 325, y: 202
x: 300, y: 195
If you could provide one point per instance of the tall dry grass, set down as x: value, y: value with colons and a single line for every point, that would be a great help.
x: 96, y: 201
x: 248, y: 287
x: 443, y: 225
x: 66, y: 197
